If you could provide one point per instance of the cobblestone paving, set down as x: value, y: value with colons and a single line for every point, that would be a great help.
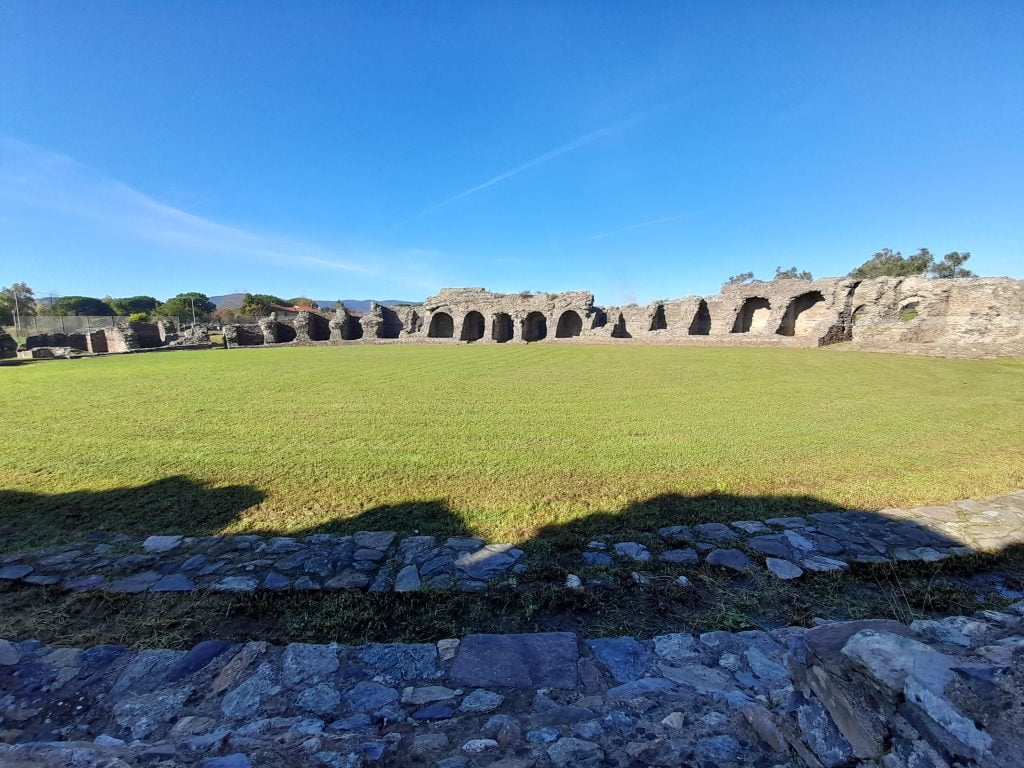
x: 369, y: 560
x: 381, y: 561
x: 790, y: 697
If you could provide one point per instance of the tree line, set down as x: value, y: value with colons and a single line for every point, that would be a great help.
x: 19, y: 301
x: 884, y: 263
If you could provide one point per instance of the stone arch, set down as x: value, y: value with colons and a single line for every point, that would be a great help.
x: 802, y: 313
x: 351, y: 328
x: 319, y: 328
x: 753, y: 315
x: 502, y: 328
x: 701, y: 323
x: 472, y: 326
x: 619, y: 330
x: 391, y: 324
x: 441, y: 326
x: 857, y: 317
x: 658, y: 322
x: 569, y: 324
x: 535, y: 327
x: 283, y: 332
x: 910, y: 309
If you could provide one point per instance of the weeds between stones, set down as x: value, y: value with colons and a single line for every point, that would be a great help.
x: 716, y: 600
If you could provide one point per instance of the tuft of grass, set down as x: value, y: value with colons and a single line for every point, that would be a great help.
x: 520, y: 443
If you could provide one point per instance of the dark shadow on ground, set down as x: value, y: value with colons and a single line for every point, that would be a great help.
x: 171, y: 505
x: 431, y: 517
x: 181, y: 505
x: 715, y: 598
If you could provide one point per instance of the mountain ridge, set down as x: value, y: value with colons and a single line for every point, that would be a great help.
x: 234, y: 301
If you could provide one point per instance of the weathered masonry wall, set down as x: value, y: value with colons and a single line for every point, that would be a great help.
x: 961, y: 315
x: 123, y: 337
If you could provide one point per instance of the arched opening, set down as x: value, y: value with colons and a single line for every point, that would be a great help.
x: 319, y: 329
x: 569, y: 324
x: 909, y: 310
x: 502, y: 328
x: 619, y: 329
x: 802, y: 313
x: 753, y: 315
x: 391, y: 324
x: 658, y: 322
x: 535, y: 327
x: 701, y: 323
x: 283, y: 333
x: 351, y: 328
x: 600, y: 318
x: 472, y: 327
x: 248, y: 336
x: 441, y: 326
x: 856, y: 317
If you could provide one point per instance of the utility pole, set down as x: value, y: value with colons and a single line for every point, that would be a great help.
x: 191, y: 299
x: 17, y: 313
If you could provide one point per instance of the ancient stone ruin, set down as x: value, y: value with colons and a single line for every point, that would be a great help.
x: 955, y: 316
x: 118, y: 338
x: 967, y: 317
x: 8, y: 346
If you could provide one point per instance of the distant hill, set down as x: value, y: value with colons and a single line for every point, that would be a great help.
x: 234, y: 301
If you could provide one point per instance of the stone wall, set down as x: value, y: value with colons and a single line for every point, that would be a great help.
x: 962, y: 316
x: 8, y: 345
x: 71, y: 340
x: 946, y: 693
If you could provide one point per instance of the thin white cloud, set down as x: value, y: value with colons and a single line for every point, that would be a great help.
x: 641, y: 225
x: 547, y: 157
x: 50, y: 181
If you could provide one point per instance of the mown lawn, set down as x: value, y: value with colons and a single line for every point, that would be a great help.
x: 511, y: 443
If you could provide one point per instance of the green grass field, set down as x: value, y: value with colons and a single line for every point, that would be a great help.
x: 511, y: 443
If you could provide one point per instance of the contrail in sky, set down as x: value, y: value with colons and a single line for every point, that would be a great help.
x: 572, y: 146
x: 631, y: 227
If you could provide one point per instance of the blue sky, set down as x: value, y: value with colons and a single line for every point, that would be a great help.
x: 640, y: 150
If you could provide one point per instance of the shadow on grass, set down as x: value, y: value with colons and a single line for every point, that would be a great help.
x: 181, y: 505
x: 716, y: 599
x: 171, y: 505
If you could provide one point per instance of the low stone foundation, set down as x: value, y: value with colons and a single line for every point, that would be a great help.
x: 875, y: 694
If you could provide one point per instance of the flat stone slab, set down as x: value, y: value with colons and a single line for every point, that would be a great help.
x: 488, y: 562
x: 732, y: 559
x: 783, y: 569
x: 633, y: 550
x: 135, y: 583
x: 15, y: 572
x: 517, y: 661
x: 173, y: 582
x: 161, y: 544
x: 685, y: 556
x: 625, y: 658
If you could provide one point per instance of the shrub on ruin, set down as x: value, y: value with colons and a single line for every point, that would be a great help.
x: 889, y: 263
x: 138, y: 317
